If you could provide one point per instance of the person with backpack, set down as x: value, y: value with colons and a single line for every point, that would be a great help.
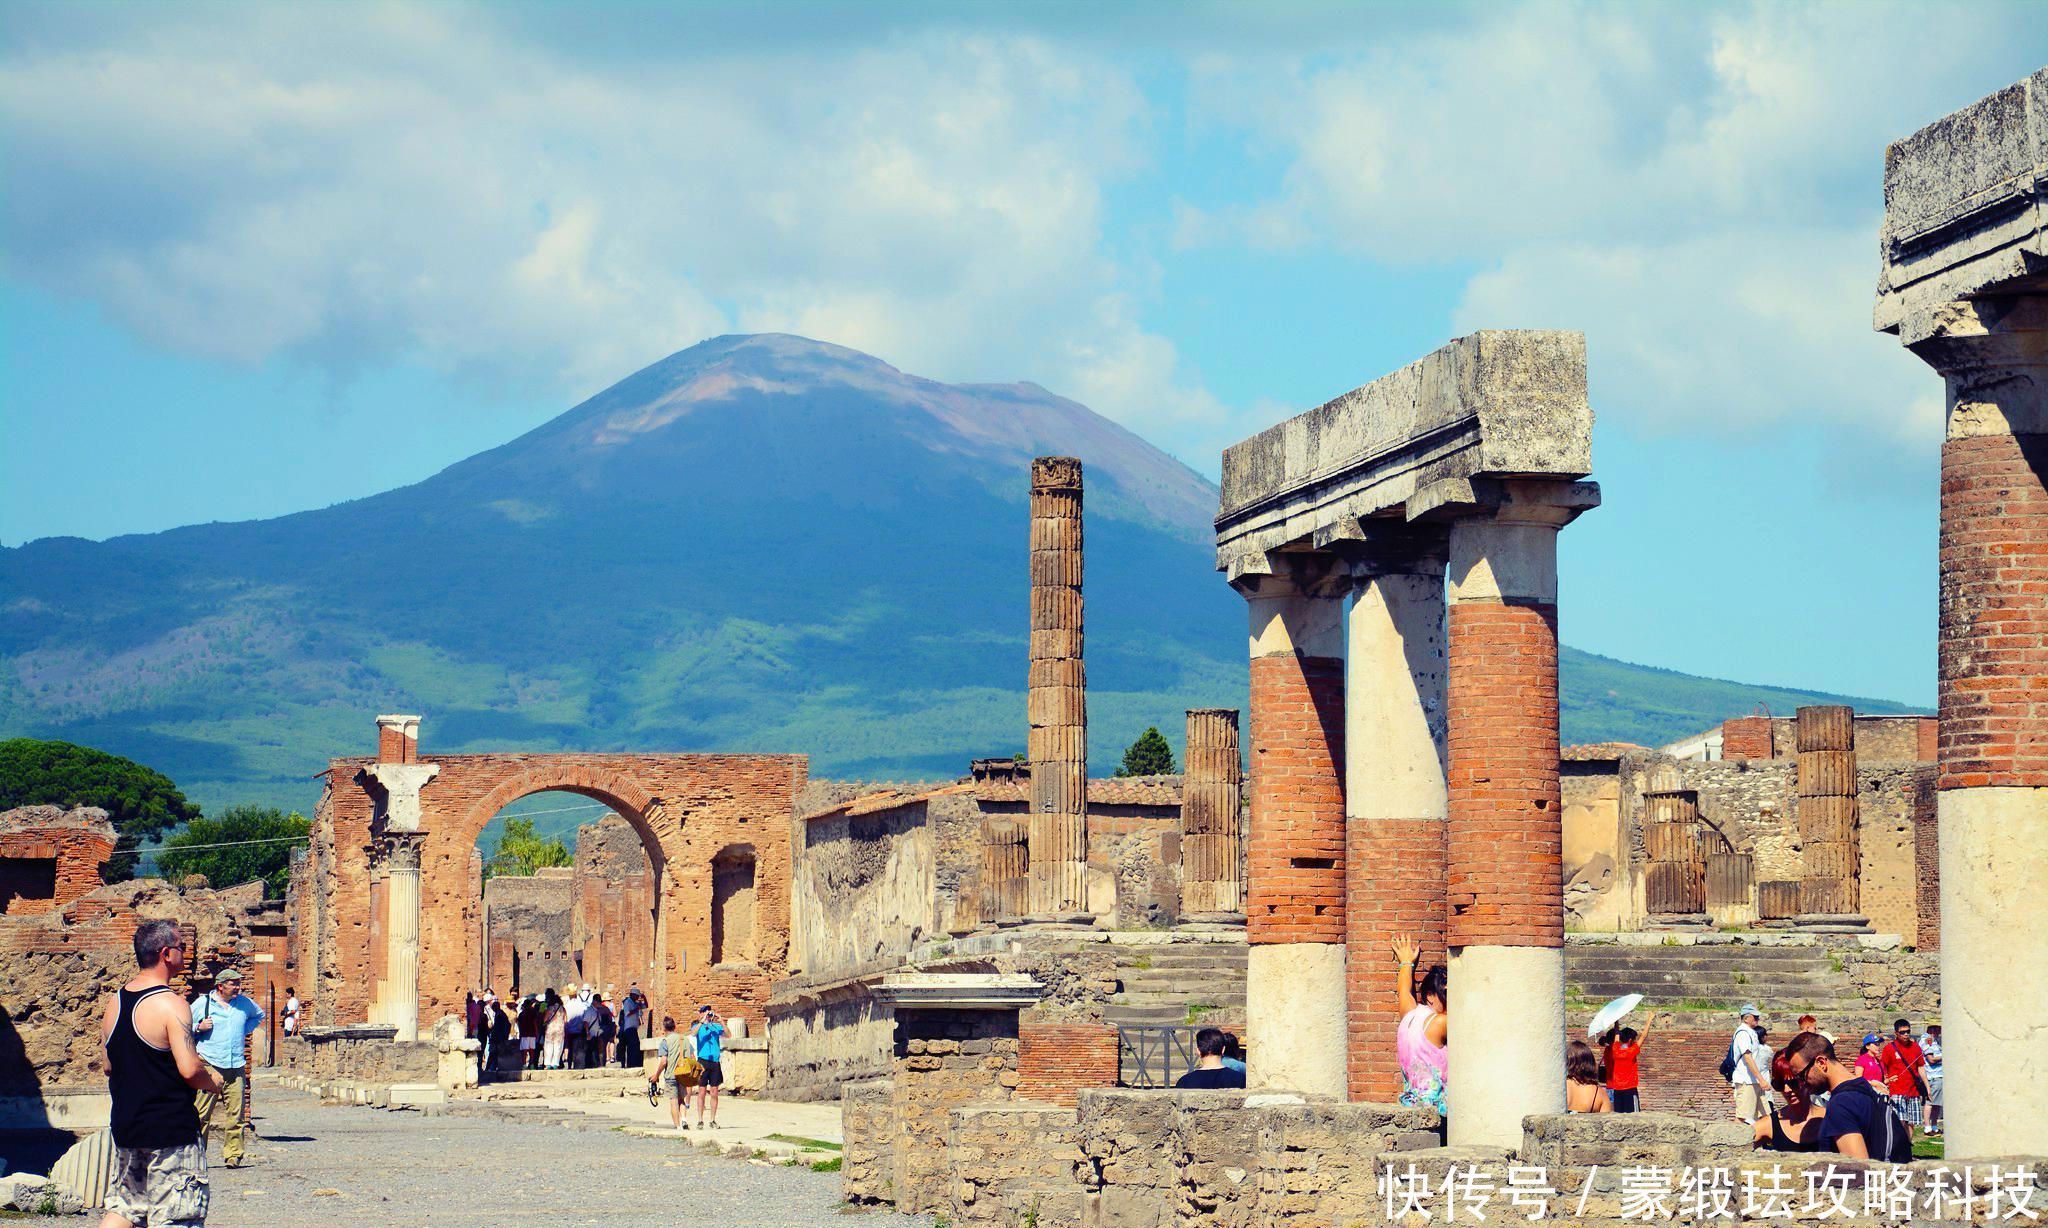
x: 1860, y: 1123
x: 1905, y: 1068
x: 675, y: 1056
x: 1744, y: 1065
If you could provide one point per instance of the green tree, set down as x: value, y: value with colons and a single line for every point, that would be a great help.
x: 521, y: 853
x: 259, y: 841
x: 142, y: 803
x: 1148, y: 756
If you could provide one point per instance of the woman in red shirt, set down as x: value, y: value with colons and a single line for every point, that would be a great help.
x: 1623, y: 1047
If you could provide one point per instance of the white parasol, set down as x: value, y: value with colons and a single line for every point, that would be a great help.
x: 1612, y: 1013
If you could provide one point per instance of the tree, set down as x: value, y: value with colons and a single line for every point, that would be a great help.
x: 1148, y: 756
x: 240, y: 828
x: 142, y: 803
x: 521, y: 853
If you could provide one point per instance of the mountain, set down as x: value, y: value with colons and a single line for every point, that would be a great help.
x: 760, y: 543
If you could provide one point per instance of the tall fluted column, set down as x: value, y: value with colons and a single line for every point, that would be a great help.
x: 1294, y: 907
x: 1394, y: 791
x: 1211, y: 848
x: 1993, y: 740
x: 1505, y: 839
x: 402, y: 932
x: 1058, y: 694
x: 1005, y: 866
x: 1829, y: 849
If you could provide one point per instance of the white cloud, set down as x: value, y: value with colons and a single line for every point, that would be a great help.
x: 357, y: 185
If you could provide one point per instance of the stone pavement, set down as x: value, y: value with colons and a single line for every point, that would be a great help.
x: 768, y: 1129
x: 347, y: 1165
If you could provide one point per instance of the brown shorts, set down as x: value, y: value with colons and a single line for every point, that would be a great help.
x: 160, y: 1187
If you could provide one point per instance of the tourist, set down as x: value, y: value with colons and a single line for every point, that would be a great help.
x: 498, y: 1028
x: 1807, y: 1023
x: 1582, y: 1090
x: 153, y: 1069
x: 1749, y: 1060
x: 631, y: 1011
x: 708, y: 1034
x: 555, y: 1029
x: 1422, y: 1039
x: 1622, y: 1049
x: 530, y: 1023
x: 1233, y: 1052
x: 222, y: 1020
x: 1209, y: 1070
x: 472, y: 1013
x: 575, y: 1008
x: 1859, y: 1123
x: 1930, y: 1045
x: 291, y: 1011
x: 1796, y: 1127
x: 1904, y: 1077
x: 1868, y: 1064
x: 601, y: 1033
x: 674, y: 1058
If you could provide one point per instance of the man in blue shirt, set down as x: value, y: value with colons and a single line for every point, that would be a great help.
x: 1859, y: 1122
x: 222, y: 1021
x: 709, y: 1036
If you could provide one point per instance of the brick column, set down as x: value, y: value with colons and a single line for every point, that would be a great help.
x: 1211, y: 843
x: 1505, y: 838
x: 1057, y: 695
x: 1294, y: 906
x: 1993, y: 739
x: 1394, y: 793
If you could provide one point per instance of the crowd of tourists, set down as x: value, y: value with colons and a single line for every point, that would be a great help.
x: 1808, y: 1096
x: 573, y: 1029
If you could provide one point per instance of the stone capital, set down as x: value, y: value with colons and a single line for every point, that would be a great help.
x: 398, y: 789
x: 1389, y: 547
x: 1993, y: 353
x: 399, y: 850
x: 1507, y: 500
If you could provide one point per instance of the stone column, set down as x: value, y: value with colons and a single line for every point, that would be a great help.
x: 1675, y: 887
x: 1057, y: 695
x: 1211, y: 847
x: 1830, y: 861
x: 1005, y: 866
x: 402, y: 932
x: 1294, y: 907
x: 1993, y: 740
x: 1394, y: 793
x: 1504, y: 842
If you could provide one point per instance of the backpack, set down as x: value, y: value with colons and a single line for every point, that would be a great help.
x: 606, y: 1029
x: 1728, y: 1064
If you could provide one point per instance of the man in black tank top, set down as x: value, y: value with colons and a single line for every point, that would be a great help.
x: 152, y: 1069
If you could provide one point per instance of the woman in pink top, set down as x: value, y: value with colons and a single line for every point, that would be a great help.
x: 1421, y: 1042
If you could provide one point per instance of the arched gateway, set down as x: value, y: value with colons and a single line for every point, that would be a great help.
x: 389, y: 914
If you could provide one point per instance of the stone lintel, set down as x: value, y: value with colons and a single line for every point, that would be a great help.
x: 1964, y: 209
x: 959, y: 990
x: 1522, y: 501
x: 1495, y: 404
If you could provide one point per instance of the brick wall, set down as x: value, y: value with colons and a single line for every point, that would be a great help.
x: 1296, y: 845
x: 1504, y: 843
x: 1746, y: 737
x: 1057, y: 1060
x: 686, y: 807
x: 612, y: 904
x: 51, y: 856
x: 1680, y: 1071
x: 1994, y: 611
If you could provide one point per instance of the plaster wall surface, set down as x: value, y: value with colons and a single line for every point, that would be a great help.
x: 1517, y: 1070
x: 1295, y: 1013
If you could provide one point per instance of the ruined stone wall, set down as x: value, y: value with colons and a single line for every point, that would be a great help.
x: 612, y: 905
x: 1886, y: 800
x: 825, y: 1036
x: 49, y: 856
x: 1598, y: 887
x: 358, y: 1053
x: 689, y: 807
x: 1012, y: 1160
x: 865, y: 889
x: 58, y: 968
x: 529, y: 916
x: 945, y: 1060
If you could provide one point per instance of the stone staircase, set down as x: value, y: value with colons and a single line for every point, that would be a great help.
x: 1180, y: 984
x: 1785, y: 981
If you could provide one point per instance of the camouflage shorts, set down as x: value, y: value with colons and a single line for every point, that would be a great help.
x: 159, y: 1187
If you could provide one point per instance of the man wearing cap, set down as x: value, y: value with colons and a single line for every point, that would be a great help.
x: 222, y: 1020
x: 1751, y: 1060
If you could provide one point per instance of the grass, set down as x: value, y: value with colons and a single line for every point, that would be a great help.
x: 1929, y: 1148
x: 1198, y: 1009
x: 826, y: 1166
x: 1142, y: 964
x: 808, y: 1144
x: 1701, y: 1004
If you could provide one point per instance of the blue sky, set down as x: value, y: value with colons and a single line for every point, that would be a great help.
x: 255, y: 259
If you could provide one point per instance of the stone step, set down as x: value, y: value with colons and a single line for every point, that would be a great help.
x: 1184, y: 985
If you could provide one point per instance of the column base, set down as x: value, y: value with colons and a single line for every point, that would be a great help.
x: 1513, y: 1001
x: 1294, y: 1013
x: 1832, y: 923
x: 1211, y: 920
x: 1994, y: 970
x: 1680, y: 921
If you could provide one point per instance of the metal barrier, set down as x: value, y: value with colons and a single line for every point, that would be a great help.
x: 1153, y: 1056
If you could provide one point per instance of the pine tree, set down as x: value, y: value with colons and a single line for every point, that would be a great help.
x: 1148, y: 756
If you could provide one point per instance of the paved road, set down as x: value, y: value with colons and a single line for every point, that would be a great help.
x: 402, y: 1168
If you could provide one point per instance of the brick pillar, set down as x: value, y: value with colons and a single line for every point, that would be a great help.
x: 1211, y: 842
x: 1829, y: 851
x: 1993, y: 738
x: 1394, y: 794
x: 1505, y: 837
x: 1294, y: 891
x: 1746, y: 737
x: 1057, y: 695
x: 398, y: 739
